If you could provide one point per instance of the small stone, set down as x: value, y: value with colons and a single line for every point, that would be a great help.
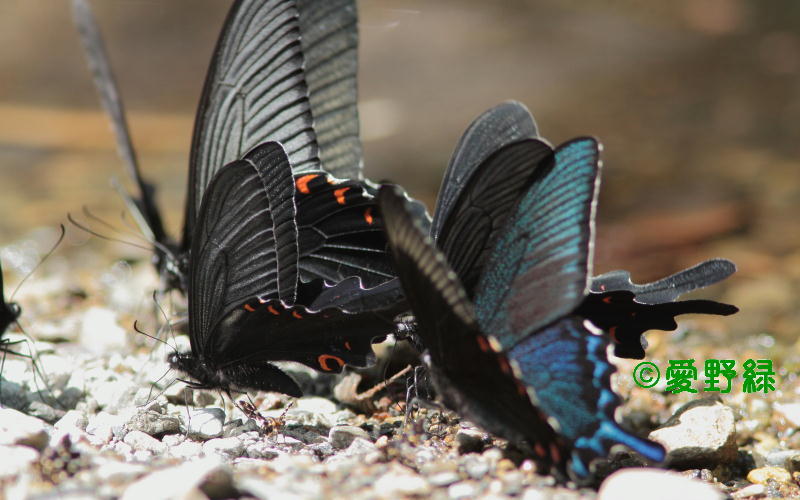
x: 469, y: 441
x: 476, y: 467
x: 154, y: 423
x: 445, y: 478
x: 783, y: 458
x: 44, y: 411
x: 464, y: 489
x: 113, y: 471
x: 342, y: 435
x: 315, y: 404
x: 14, y: 460
x: 789, y: 411
x: 231, y: 447
x: 261, y: 449
x: 764, y: 474
x: 186, y: 449
x: 139, y: 440
x: 629, y: 484
x: 236, y: 430
x: 205, y: 423
x: 105, y: 426
x: 189, y: 480
x: 701, y: 434
x: 399, y: 482
x: 73, y: 419
x: 16, y: 428
x: 754, y: 490
x: 100, y: 331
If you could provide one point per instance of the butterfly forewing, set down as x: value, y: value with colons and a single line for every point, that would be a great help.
x: 483, y: 207
x: 503, y: 124
x: 244, y: 223
x: 330, y: 45
x: 255, y: 91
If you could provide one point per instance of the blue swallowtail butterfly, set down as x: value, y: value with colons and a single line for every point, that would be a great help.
x: 499, y: 302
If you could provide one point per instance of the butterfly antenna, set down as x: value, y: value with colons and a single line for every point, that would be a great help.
x: 41, y: 261
x: 128, y: 232
x: 102, y: 236
x: 38, y: 368
x: 136, y: 328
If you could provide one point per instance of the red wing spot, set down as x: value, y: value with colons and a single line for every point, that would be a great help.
x: 521, y: 389
x: 296, y: 315
x: 339, y: 194
x: 504, y: 365
x: 368, y: 216
x: 555, y: 453
x: 608, y: 299
x: 539, y: 449
x: 347, y: 346
x: 613, y: 332
x: 483, y: 343
x: 302, y: 182
x: 323, y: 362
x: 248, y: 307
x: 273, y: 310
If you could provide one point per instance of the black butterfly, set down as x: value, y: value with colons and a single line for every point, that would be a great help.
x: 243, y: 284
x: 9, y: 311
x: 500, y: 305
x: 282, y: 71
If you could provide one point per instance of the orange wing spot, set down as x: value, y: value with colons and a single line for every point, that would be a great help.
x: 302, y: 182
x: 483, y: 344
x: 339, y: 194
x: 539, y: 449
x: 613, y: 332
x: 323, y: 362
x: 347, y: 346
x: 248, y: 307
x: 555, y: 453
x: 296, y: 315
x: 608, y: 299
x: 273, y: 310
x: 504, y: 365
x: 368, y: 215
x: 521, y: 389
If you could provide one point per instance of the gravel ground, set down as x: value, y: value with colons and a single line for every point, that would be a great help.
x: 99, y: 415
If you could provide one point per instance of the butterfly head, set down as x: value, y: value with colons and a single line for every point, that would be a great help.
x: 8, y: 315
x: 198, y: 370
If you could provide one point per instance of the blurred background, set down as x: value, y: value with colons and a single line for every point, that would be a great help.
x: 697, y: 103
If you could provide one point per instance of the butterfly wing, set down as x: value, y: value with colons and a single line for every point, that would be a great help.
x: 627, y: 310
x: 482, y: 208
x: 471, y: 377
x: 567, y: 373
x: 501, y: 125
x: 666, y: 289
x: 143, y: 204
x: 539, y: 266
x: 255, y: 91
x: 329, y: 30
x: 244, y: 246
x: 340, y: 231
x: 9, y: 311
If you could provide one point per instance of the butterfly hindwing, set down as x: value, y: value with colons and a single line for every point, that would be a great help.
x: 340, y: 231
x: 501, y: 125
x: 566, y: 369
x: 538, y: 268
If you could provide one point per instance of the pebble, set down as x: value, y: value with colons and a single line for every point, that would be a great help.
x: 20, y: 429
x: 631, y: 484
x: 190, y: 480
x: 476, y: 466
x: 154, y: 423
x: 113, y: 471
x: 104, y: 426
x: 139, y: 440
x: 701, y: 434
x: 342, y: 435
x: 469, y: 441
x: 14, y: 460
x: 230, y: 447
x: 44, y: 411
x: 401, y: 481
x: 754, y: 490
x: 765, y: 474
x: 73, y: 419
x: 186, y: 449
x: 100, y: 331
x: 789, y: 411
x: 464, y: 489
x: 445, y: 478
x: 204, y: 423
